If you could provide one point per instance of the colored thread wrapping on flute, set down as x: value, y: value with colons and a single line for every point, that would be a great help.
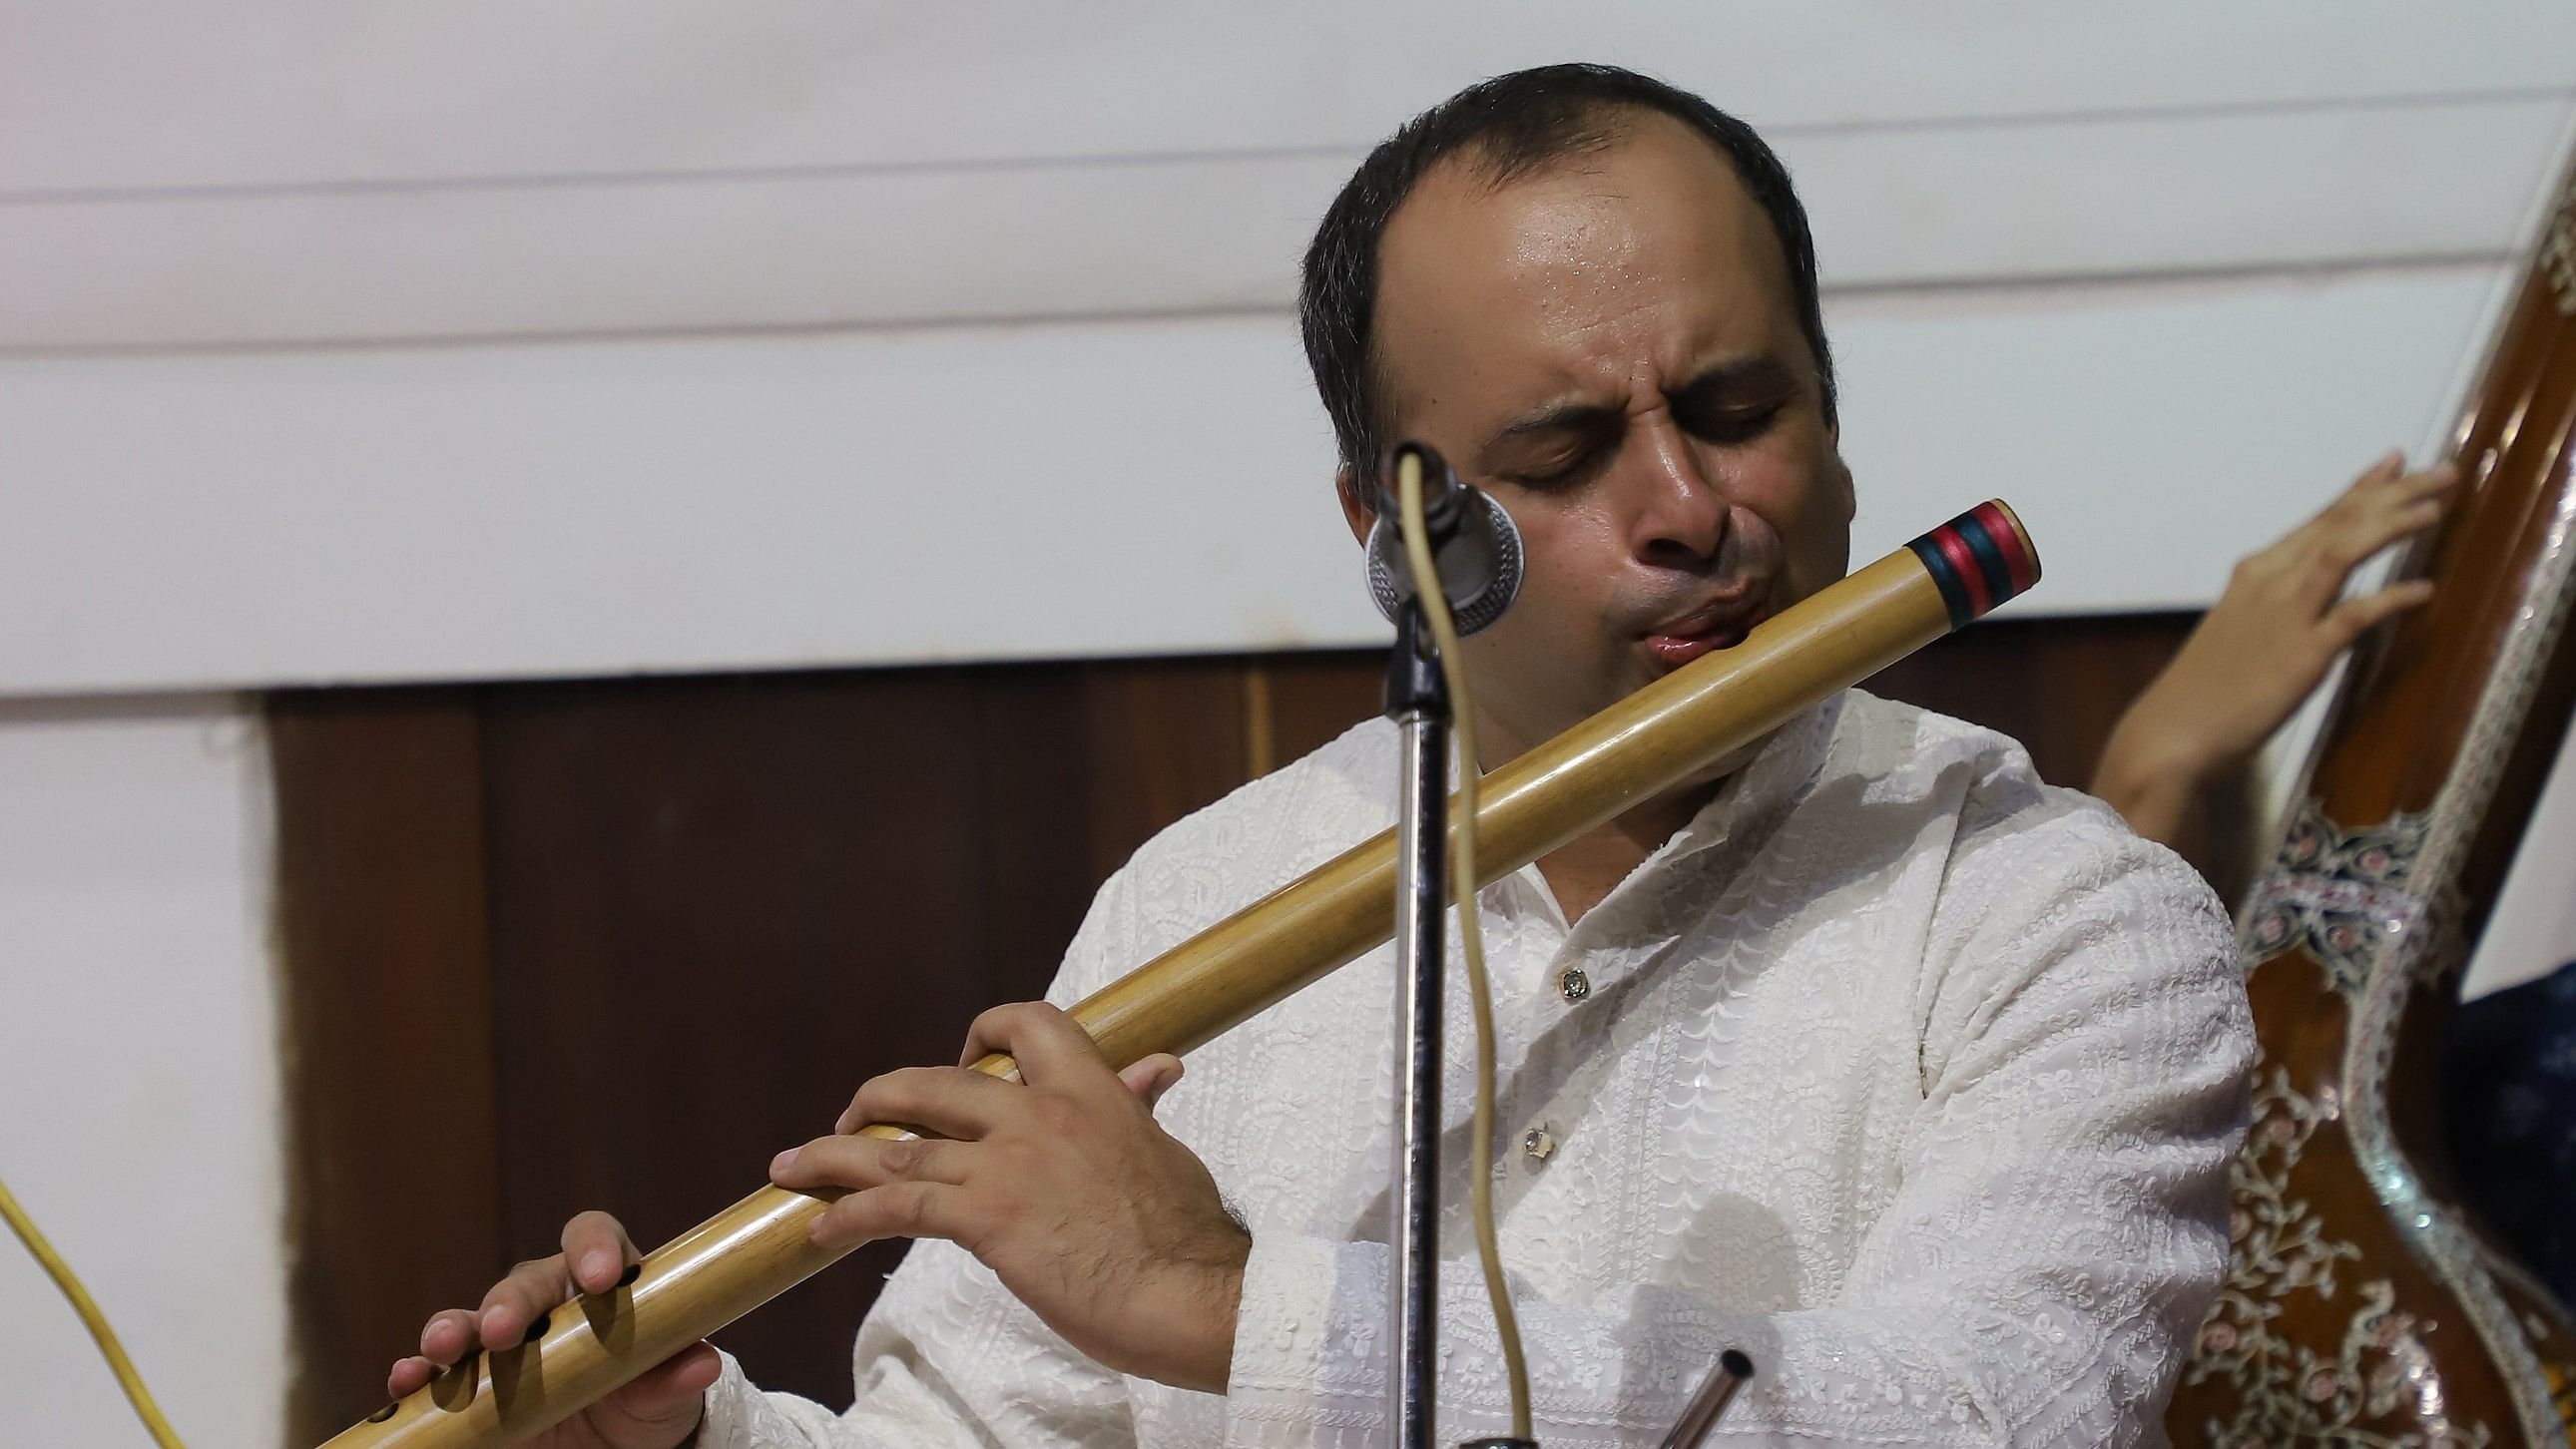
x: 1979, y: 559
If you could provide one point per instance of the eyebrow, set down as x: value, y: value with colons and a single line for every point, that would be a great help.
x: 1557, y: 417
x: 1757, y: 374
x: 1761, y: 373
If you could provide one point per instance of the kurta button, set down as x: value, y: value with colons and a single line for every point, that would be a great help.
x: 1538, y: 1143
x: 1573, y: 985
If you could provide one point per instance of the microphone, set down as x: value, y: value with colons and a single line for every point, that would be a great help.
x: 1473, y: 545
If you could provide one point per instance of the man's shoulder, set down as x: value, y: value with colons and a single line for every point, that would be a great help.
x: 1270, y: 829
x: 2018, y: 840
x: 1904, y: 751
x: 1907, y: 747
x: 2045, y: 896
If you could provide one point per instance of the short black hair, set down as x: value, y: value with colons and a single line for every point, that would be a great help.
x: 1515, y: 124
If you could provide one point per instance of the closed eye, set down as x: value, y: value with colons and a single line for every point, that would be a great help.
x: 1565, y: 473
x: 1558, y: 450
x: 1727, y: 425
x: 1734, y: 402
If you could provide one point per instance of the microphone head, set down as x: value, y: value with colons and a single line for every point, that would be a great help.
x: 1479, y: 563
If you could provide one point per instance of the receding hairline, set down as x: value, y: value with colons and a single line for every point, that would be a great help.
x: 1593, y: 125
x: 1487, y: 163
x: 1539, y: 116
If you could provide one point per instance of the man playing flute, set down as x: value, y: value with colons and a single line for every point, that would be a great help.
x: 1866, y: 1053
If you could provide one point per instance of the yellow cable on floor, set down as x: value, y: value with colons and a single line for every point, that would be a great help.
x: 56, y: 1269
x: 1471, y: 935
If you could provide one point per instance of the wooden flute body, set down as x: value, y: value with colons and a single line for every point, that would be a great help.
x: 1648, y: 743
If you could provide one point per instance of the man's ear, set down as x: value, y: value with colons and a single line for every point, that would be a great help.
x: 1355, y: 509
x: 1842, y: 475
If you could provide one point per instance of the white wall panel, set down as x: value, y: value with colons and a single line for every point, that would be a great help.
x: 728, y: 457
x: 294, y: 173
x: 1105, y: 488
x: 2117, y: 196
x: 139, y: 94
x: 138, y: 1065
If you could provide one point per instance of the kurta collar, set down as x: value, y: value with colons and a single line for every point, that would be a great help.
x: 1750, y: 800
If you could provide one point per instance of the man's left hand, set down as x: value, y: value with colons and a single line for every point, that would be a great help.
x: 1062, y: 1183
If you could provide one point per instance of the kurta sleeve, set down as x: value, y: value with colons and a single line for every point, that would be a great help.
x: 2057, y: 1230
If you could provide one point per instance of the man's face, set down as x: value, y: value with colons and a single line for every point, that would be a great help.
x: 1610, y: 347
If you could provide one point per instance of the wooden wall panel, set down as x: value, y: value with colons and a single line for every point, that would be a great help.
x: 721, y: 905
x: 1314, y: 697
x: 394, y: 1204
x: 1157, y: 739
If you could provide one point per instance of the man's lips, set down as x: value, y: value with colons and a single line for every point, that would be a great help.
x: 1719, y: 624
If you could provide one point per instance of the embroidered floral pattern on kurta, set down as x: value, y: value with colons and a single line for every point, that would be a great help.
x: 1915, y: 1079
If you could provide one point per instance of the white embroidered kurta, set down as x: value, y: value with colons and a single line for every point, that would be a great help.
x: 1910, y: 1076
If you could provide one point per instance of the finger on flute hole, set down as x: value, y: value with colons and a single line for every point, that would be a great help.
x: 599, y: 1270
x: 410, y: 1374
x: 448, y: 1336
x: 506, y: 1324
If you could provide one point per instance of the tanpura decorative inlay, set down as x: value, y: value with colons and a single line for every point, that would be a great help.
x: 2285, y: 1391
x: 2339, y: 893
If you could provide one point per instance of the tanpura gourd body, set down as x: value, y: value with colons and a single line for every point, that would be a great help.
x: 2362, y: 1306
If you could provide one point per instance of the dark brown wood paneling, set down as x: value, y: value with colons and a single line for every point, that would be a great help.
x: 718, y: 907
x: 1158, y: 738
x: 1033, y: 809
x: 1314, y: 697
x: 392, y: 1155
x: 721, y: 905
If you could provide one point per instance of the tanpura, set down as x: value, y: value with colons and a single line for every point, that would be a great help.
x: 2362, y: 1306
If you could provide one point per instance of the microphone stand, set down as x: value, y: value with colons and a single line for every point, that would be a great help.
x: 1417, y: 699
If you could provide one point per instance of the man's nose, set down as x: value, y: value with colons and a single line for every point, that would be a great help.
x: 1680, y: 514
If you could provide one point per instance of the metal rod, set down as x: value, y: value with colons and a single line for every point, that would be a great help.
x: 1715, y: 1393
x: 1422, y: 834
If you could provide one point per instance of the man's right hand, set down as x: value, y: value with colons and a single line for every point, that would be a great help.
x: 660, y: 1409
